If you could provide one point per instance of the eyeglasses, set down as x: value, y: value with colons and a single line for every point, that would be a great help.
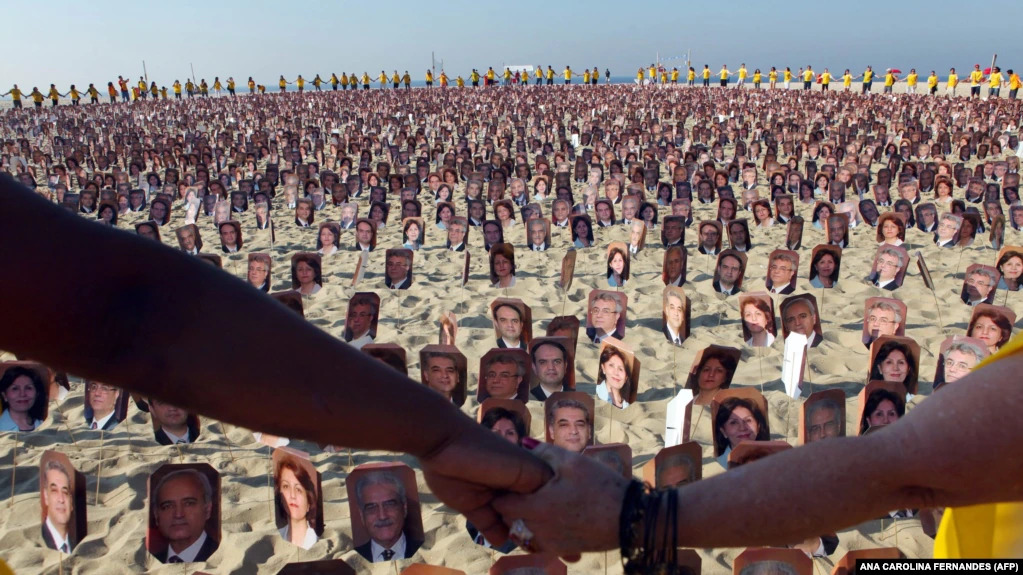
x: 602, y: 310
x: 777, y: 268
x: 100, y: 388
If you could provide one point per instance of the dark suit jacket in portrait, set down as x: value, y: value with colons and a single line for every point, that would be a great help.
x: 110, y: 424
x: 48, y: 539
x: 502, y: 345
x: 208, y: 548
x: 717, y: 287
x: 411, y: 546
x: 162, y: 439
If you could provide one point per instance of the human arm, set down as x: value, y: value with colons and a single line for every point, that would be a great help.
x: 136, y: 319
x: 920, y: 461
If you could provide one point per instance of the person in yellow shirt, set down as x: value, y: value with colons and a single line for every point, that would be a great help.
x: 756, y: 79
x: 55, y: 95
x: 459, y: 82
x: 334, y: 81
x: 231, y: 87
x: 344, y: 80
x: 911, y: 80
x: 651, y: 73
x: 217, y: 86
x: 261, y: 88
x: 952, y: 82
x: 538, y: 73
x: 567, y: 73
x: 639, y: 76
x: 37, y: 97
x: 444, y: 79
x: 93, y: 94
x: 674, y: 75
x: 190, y: 87
x: 283, y: 84
x: 691, y: 76
x: 808, y: 77
x: 142, y: 87
x: 507, y: 76
x: 772, y: 77
x: 153, y: 90
x: 742, y: 76
x: 787, y: 77
x: 524, y: 77
x: 406, y: 79
x: 365, y: 81
x: 382, y: 79
x: 586, y: 76
x: 976, y: 79
x: 395, y: 80
x: 317, y: 82
x: 723, y: 75
x: 204, y: 88
x: 706, y: 76
x: 994, y: 82
x: 1014, y: 84
x: 847, y: 79
x: 353, y: 81
x: 490, y: 76
x: 429, y: 79
x: 300, y: 82
x: 932, y: 83
x: 163, y: 92
x: 112, y: 92
x: 868, y: 80
x: 75, y: 96
x: 252, y: 85
x: 474, y: 77
x: 664, y: 76
x: 825, y: 80
x: 889, y: 80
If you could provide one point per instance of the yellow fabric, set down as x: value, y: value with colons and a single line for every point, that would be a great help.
x: 691, y: 75
x: 1014, y: 82
x: 932, y: 81
x: 976, y: 77
x: 983, y: 531
x: 788, y: 75
x: 953, y: 80
x: 706, y: 73
x: 772, y: 76
x: 847, y: 79
x: 808, y: 75
x: 911, y: 79
x: 4, y: 569
x: 868, y: 75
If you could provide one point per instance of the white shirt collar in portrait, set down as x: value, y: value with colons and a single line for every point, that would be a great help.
x: 456, y: 247
x: 187, y: 438
x: 377, y: 550
x: 61, y: 543
x: 99, y: 423
x: 188, y: 554
x: 308, y: 541
x: 231, y: 249
x: 673, y: 335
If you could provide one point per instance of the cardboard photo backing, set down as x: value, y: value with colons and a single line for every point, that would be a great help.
x: 836, y: 254
x: 211, y: 259
x: 675, y: 466
x: 532, y: 564
x: 509, y: 404
x: 515, y: 357
x: 623, y: 303
x: 413, y: 527
x: 729, y: 354
x: 744, y: 224
x: 925, y: 272
x: 794, y: 233
x: 672, y: 252
x: 816, y: 406
x: 567, y: 269
x: 840, y: 220
x: 583, y: 398
x: 289, y: 456
x: 617, y: 456
x: 373, y: 227
x: 390, y: 354
x: 566, y: 326
x: 996, y: 232
x: 324, y: 567
x: 361, y: 299
x: 305, y: 257
x: 524, y: 312
x: 673, y: 293
x: 750, y: 451
x: 156, y: 543
x: 640, y: 228
x: 569, y: 380
x: 794, y: 559
x: 764, y: 298
x: 422, y: 230
x: 882, y: 308
x: 896, y: 388
x: 914, y: 359
x: 290, y: 299
x: 448, y: 328
x: 791, y: 285
x: 420, y: 569
x: 681, y: 221
x: 964, y: 295
x: 847, y: 564
x: 150, y: 227
x: 622, y: 248
x: 46, y: 375
x: 465, y: 269
x: 266, y: 260
x: 461, y: 368
x: 77, y: 523
x: 120, y: 407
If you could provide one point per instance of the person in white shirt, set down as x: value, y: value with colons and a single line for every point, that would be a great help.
x: 58, y: 497
x: 550, y: 364
x: 361, y: 321
x: 383, y: 508
x: 674, y: 317
x: 102, y: 402
x: 799, y: 315
x: 181, y: 523
x: 538, y: 235
x: 230, y: 237
x: 297, y: 502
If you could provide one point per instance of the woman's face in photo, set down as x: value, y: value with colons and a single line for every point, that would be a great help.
x: 890, y: 230
x: 305, y: 273
x: 581, y: 229
x: 712, y: 375
x: 987, y: 331
x: 617, y: 263
x: 502, y: 266
x: 326, y: 237
x: 826, y: 266
x: 614, y: 372
x: 294, y: 495
x: 740, y: 426
x: 412, y: 232
x: 895, y: 367
x: 755, y: 318
x: 1012, y: 268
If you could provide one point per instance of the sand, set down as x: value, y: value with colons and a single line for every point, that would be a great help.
x: 116, y: 464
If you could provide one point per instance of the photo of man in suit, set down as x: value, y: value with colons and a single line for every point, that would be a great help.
x: 550, y: 364
x: 383, y: 509
x: 173, y: 423
x: 728, y: 275
x: 59, y: 500
x: 182, y: 503
x: 508, y: 322
x: 399, y: 269
x: 102, y: 403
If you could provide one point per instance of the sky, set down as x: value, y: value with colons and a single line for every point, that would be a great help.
x: 81, y: 42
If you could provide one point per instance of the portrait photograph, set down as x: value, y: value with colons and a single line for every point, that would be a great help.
x: 637, y: 236
x: 448, y: 328
x: 231, y: 239
x: 149, y: 230
x: 290, y: 299
x: 25, y: 389
x: 617, y: 264
x: 398, y: 267
x: 754, y: 561
x: 956, y: 357
x: 457, y: 234
x: 738, y: 414
x: 883, y: 316
x: 605, y: 317
x: 189, y: 239
x: 825, y: 265
x: 980, y: 285
x: 836, y: 230
x: 568, y: 420
x: 566, y: 326
x: 105, y: 406
x: 582, y: 231
x: 508, y: 417
x: 991, y: 324
x: 618, y: 372
x: 758, y: 319
x: 212, y: 259
x: 513, y: 323
x: 616, y: 456
x: 712, y: 370
x: 750, y: 451
x: 298, y: 497
x: 673, y: 268
x: 675, y: 466
x: 307, y: 273
x: 493, y: 234
x: 538, y: 234
x: 729, y: 272
x: 413, y: 233
x: 504, y: 374
x: 173, y: 425
x: 328, y: 238
x: 390, y: 354
x: 673, y: 230
x: 365, y: 235
x: 553, y: 360
x: 822, y: 416
x: 889, y: 267
x: 258, y: 272
x: 895, y: 359
x: 782, y: 271
x: 800, y: 314
x: 62, y: 502
x: 709, y: 241
x: 385, y: 512
x: 738, y: 235
x: 675, y: 314
x: 184, y: 513
x: 502, y: 266
x: 444, y: 369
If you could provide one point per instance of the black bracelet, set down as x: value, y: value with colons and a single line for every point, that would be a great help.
x: 642, y: 550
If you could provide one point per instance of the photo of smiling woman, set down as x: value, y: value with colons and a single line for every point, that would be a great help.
x: 895, y: 359
x: 24, y: 397
x: 297, y: 498
x: 738, y: 419
x: 617, y: 375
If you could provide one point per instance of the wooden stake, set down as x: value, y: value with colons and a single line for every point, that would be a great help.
x: 223, y: 427
x: 99, y: 469
x: 14, y: 468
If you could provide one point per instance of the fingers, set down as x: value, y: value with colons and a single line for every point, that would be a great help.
x: 489, y: 524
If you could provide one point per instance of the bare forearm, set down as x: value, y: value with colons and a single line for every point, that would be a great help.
x: 111, y: 306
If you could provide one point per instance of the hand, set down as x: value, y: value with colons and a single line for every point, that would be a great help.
x: 476, y: 466
x: 578, y: 510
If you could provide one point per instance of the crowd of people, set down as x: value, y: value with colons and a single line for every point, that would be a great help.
x: 772, y: 189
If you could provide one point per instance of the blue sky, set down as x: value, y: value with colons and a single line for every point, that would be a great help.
x: 80, y: 42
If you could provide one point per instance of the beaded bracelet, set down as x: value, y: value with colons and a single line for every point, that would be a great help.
x: 642, y: 508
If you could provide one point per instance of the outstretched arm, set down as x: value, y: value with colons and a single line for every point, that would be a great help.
x: 111, y: 306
